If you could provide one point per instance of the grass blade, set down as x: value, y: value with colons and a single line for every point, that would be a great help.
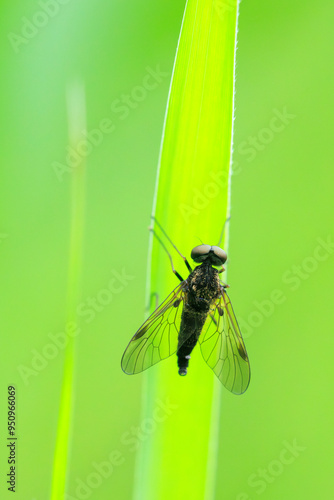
x: 178, y: 459
x: 77, y: 123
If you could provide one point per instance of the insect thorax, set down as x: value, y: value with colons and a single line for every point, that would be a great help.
x: 203, y: 288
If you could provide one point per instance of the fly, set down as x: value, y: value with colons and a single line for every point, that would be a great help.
x: 197, y: 311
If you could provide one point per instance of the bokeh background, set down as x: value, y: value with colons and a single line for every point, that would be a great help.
x: 276, y: 441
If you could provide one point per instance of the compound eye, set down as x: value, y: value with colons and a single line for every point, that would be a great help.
x: 221, y: 254
x: 200, y: 253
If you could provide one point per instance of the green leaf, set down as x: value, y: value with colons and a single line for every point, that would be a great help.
x: 179, y: 443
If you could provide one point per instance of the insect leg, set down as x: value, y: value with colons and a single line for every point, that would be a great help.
x: 222, y: 233
x: 169, y: 255
x: 170, y: 241
x: 224, y: 285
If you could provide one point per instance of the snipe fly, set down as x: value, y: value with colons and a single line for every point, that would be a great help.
x: 197, y: 310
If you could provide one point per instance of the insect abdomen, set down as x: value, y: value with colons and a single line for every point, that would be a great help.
x: 190, y: 330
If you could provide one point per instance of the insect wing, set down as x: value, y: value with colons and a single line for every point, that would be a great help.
x: 223, y: 348
x: 157, y: 338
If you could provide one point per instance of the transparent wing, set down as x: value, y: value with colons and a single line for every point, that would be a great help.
x: 223, y: 348
x: 157, y: 338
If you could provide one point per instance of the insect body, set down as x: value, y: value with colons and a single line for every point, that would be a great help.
x: 198, y: 310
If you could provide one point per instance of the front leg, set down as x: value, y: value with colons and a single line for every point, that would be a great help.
x: 224, y: 285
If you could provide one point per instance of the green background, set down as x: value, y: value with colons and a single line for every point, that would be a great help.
x: 282, y: 209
